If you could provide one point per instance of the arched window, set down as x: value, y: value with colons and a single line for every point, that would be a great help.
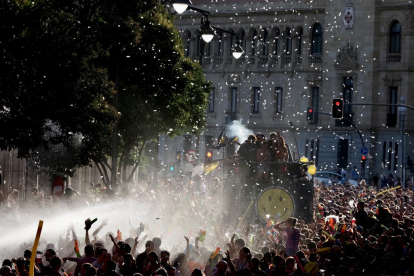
x: 317, y: 39
x: 276, y: 43
x: 243, y: 40
x: 231, y: 44
x: 299, y: 41
x: 254, y: 41
x: 207, y: 49
x: 265, y: 42
x: 288, y: 41
x: 199, y: 45
x: 220, y: 44
x: 187, y: 43
x: 395, y: 38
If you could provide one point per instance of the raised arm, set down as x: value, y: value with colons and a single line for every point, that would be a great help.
x: 134, y: 248
x: 103, y: 224
x: 114, y: 242
x: 187, y: 248
x: 230, y: 263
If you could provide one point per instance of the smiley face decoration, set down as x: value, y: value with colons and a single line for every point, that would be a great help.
x: 276, y: 204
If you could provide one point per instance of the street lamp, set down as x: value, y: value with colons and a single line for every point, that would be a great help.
x: 237, y: 51
x: 207, y: 32
x: 180, y: 6
x: 402, y: 111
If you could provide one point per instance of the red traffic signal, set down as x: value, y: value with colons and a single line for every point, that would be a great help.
x: 310, y: 114
x: 337, y: 108
x: 363, y: 159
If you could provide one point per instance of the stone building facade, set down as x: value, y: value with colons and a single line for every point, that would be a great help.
x: 301, y: 54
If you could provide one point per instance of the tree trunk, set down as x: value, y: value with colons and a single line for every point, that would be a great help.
x: 137, y: 164
x: 103, y: 172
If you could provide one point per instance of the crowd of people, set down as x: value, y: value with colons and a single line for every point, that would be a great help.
x: 258, y: 154
x: 356, y: 230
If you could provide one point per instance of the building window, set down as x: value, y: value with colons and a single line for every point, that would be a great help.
x: 395, y: 38
x: 231, y: 45
x: 220, y: 44
x: 348, y: 90
x: 317, y: 39
x: 389, y: 155
x: 342, y: 153
x: 208, y: 52
x: 396, y: 157
x: 306, y: 147
x: 392, y: 115
x: 187, y: 45
x: 199, y: 45
x: 265, y: 42
x: 243, y: 40
x: 279, y: 99
x: 384, y: 155
x: 212, y: 98
x: 256, y: 99
x: 312, y: 150
x: 315, y: 103
x: 254, y: 37
x: 317, y: 153
x: 299, y: 41
x: 276, y: 43
x: 288, y: 41
x: 233, y: 99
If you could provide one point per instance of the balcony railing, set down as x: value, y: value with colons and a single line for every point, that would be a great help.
x: 393, y: 58
x: 287, y: 59
x: 241, y: 61
x: 229, y: 60
x: 274, y: 60
x: 256, y: 61
x: 315, y: 59
x: 218, y: 60
x: 263, y: 60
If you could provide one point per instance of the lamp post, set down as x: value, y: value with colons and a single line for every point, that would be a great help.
x: 206, y: 30
x: 402, y: 111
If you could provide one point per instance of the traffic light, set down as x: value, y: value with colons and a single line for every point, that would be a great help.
x: 337, y: 108
x: 209, y: 156
x: 177, y: 156
x: 171, y: 168
x: 310, y: 114
x: 363, y: 158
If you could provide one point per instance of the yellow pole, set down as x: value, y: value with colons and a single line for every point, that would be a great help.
x: 245, y: 213
x: 34, y: 249
x: 389, y: 190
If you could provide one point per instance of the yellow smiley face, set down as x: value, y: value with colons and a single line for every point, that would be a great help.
x: 276, y: 204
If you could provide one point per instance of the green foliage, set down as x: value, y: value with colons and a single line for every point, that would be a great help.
x: 66, y: 59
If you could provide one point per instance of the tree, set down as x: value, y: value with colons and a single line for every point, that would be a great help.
x: 51, y: 87
x: 65, y: 59
x: 160, y: 91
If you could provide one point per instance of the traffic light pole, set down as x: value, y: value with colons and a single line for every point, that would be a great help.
x: 358, y: 131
